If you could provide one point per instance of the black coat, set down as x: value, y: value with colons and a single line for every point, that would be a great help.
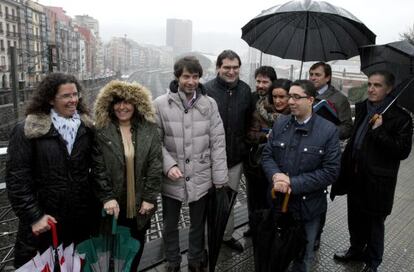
x: 42, y: 178
x: 369, y: 177
x: 236, y: 108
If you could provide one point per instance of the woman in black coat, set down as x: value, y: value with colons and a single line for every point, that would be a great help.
x: 48, y: 165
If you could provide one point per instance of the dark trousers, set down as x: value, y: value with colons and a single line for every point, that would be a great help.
x: 136, y: 234
x: 258, y: 189
x: 366, y: 233
x: 171, y: 213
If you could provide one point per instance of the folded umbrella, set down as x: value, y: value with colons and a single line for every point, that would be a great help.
x: 220, y: 203
x: 278, y: 238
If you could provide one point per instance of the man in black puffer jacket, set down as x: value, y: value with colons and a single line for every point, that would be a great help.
x: 234, y: 100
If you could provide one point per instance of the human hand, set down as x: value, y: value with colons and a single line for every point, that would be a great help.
x: 377, y: 121
x: 42, y: 224
x: 281, y: 186
x: 146, y: 208
x: 281, y: 177
x: 174, y: 173
x: 111, y: 207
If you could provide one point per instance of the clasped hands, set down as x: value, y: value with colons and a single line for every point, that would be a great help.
x: 281, y: 183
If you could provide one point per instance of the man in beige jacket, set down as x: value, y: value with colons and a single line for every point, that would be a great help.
x: 194, y: 158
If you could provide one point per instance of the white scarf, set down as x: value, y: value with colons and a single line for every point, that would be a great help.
x: 67, y: 127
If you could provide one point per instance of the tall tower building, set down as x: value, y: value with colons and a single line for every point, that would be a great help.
x: 180, y: 35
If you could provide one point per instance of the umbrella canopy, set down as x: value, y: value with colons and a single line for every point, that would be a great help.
x: 396, y: 57
x: 307, y: 31
x: 219, y: 206
x: 109, y: 252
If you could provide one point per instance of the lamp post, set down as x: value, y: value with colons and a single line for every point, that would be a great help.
x: 13, y: 75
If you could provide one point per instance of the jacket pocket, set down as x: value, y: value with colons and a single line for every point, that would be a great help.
x: 278, y: 150
x: 311, y: 157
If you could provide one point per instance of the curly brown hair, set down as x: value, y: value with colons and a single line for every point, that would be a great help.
x: 46, y: 92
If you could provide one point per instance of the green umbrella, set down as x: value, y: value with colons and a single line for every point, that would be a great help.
x: 115, y: 250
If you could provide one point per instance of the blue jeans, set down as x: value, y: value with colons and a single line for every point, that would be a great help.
x: 304, y: 264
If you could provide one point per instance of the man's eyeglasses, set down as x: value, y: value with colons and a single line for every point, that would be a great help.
x: 296, y: 97
x: 67, y: 96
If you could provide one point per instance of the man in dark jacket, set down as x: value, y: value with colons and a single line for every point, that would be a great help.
x: 256, y: 183
x: 320, y: 74
x: 369, y: 169
x: 302, y: 157
x: 233, y: 97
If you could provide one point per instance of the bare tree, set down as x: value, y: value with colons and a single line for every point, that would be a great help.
x: 409, y: 35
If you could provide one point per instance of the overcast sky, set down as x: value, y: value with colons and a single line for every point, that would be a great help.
x: 145, y: 20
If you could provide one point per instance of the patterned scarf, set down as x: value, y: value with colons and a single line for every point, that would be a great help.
x: 266, y: 111
x: 67, y: 127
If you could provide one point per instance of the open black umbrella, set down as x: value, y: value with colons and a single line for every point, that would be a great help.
x: 219, y: 206
x: 307, y: 30
x: 398, y: 59
x: 278, y: 238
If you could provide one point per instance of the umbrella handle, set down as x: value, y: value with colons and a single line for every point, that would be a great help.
x: 114, y: 222
x: 285, y: 200
x: 54, y: 233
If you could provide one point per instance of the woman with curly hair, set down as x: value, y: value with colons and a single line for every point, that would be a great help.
x: 48, y: 168
x: 127, y: 157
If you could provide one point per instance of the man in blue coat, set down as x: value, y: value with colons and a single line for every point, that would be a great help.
x: 302, y: 157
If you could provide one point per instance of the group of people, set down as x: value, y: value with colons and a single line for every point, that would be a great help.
x: 63, y: 167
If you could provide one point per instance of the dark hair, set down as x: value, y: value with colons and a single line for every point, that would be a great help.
x: 117, y: 99
x: 306, y: 85
x: 227, y: 54
x: 46, y: 92
x: 326, y: 69
x: 190, y: 63
x: 266, y: 71
x: 279, y: 83
x: 389, y: 77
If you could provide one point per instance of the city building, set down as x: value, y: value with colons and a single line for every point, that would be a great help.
x: 179, y: 35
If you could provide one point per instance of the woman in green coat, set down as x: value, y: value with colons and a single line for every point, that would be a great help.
x: 127, y: 157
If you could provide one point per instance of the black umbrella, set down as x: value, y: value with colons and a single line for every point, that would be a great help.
x: 396, y: 57
x: 219, y: 206
x: 307, y: 31
x: 278, y: 238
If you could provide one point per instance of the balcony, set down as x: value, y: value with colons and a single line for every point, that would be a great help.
x: 3, y: 68
x: 12, y: 35
x: 12, y: 18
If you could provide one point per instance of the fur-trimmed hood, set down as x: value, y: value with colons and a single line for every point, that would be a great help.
x: 37, y: 125
x: 134, y: 93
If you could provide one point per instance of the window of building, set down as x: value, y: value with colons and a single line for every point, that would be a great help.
x: 1, y: 45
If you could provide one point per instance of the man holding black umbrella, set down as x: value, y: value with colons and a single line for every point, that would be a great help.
x: 381, y: 138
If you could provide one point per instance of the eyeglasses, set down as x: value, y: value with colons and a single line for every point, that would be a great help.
x: 67, y: 96
x: 296, y: 97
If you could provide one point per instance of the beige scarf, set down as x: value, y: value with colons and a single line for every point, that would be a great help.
x: 130, y: 178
